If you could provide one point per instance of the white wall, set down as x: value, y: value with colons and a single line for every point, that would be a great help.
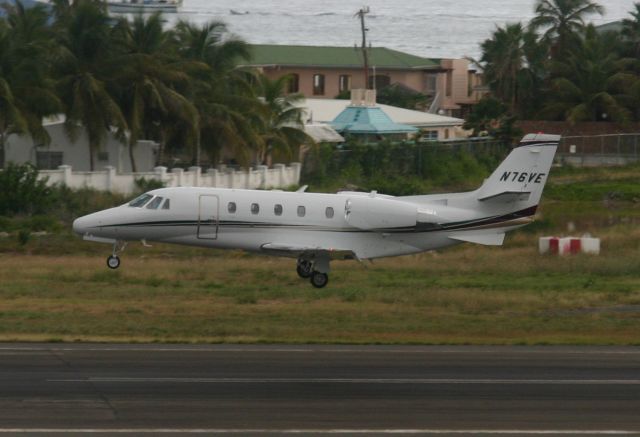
x: 21, y: 149
x: 262, y: 177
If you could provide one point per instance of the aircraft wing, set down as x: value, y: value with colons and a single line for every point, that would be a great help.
x: 294, y: 251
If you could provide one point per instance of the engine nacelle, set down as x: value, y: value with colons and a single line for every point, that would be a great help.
x: 368, y: 212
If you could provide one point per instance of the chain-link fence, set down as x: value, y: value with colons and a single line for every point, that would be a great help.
x: 596, y: 150
x: 379, y: 165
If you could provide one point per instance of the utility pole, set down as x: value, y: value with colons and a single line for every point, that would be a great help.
x: 365, y: 54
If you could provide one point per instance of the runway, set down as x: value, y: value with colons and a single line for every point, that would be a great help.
x: 353, y: 390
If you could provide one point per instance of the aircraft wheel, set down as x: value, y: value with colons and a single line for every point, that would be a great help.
x: 113, y: 262
x: 304, y: 269
x: 319, y: 280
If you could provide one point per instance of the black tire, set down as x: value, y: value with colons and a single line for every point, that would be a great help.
x: 319, y: 280
x: 113, y: 262
x: 304, y: 269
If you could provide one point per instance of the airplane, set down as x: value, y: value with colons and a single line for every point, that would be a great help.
x: 317, y: 228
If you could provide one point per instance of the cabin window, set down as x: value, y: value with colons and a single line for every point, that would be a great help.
x: 255, y: 208
x: 167, y: 204
x: 140, y: 201
x: 231, y: 207
x: 328, y: 212
x: 155, y: 203
x: 277, y: 209
x: 301, y: 211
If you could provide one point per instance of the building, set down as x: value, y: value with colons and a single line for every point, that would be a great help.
x: 62, y: 151
x: 326, y: 72
x: 430, y: 126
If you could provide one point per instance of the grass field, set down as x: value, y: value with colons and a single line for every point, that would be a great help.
x: 470, y: 295
x: 57, y: 288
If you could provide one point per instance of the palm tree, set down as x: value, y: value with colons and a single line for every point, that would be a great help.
x: 146, y: 79
x: 563, y: 21
x: 281, y: 126
x: 588, y: 85
x: 84, y: 66
x: 221, y: 93
x: 26, y: 88
x: 512, y: 61
x: 631, y: 32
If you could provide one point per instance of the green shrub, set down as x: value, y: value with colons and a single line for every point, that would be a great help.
x: 145, y: 184
x: 21, y: 192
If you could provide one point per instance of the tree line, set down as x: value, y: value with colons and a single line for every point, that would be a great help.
x: 179, y: 86
x: 559, y: 67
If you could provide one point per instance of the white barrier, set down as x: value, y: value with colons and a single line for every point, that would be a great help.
x: 260, y: 177
x: 569, y: 245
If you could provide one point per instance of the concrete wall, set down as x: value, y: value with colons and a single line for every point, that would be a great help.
x: 262, y: 177
x: 21, y: 149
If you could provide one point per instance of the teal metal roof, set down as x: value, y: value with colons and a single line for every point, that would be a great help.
x: 368, y: 120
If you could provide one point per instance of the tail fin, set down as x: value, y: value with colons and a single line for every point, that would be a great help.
x: 522, y: 175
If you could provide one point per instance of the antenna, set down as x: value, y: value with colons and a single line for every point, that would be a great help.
x: 365, y: 54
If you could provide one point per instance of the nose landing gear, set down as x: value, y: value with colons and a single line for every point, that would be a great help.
x: 113, y: 261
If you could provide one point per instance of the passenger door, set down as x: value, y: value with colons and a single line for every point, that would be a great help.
x: 208, y: 217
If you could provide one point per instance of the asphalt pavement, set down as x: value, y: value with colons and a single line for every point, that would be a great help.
x: 359, y: 390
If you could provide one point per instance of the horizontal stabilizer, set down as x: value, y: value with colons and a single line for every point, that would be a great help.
x: 507, y: 197
x: 488, y: 239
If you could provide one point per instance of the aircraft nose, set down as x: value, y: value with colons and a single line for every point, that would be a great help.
x: 80, y: 225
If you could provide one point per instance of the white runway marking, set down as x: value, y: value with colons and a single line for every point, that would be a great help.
x: 391, y: 350
x: 356, y: 381
x: 315, y: 431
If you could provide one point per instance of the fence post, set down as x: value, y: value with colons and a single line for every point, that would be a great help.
x: 66, y: 174
x: 179, y: 172
x: 297, y: 169
x: 111, y: 175
x: 262, y: 170
x: 161, y: 173
x: 196, y: 175
x: 281, y: 175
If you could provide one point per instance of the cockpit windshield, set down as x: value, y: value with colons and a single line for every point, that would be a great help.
x: 141, y: 200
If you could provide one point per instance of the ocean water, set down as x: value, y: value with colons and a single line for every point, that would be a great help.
x: 430, y: 28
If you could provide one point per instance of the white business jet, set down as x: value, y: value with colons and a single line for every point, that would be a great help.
x: 317, y: 228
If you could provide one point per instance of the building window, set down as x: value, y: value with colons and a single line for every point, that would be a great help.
x: 277, y: 209
x: 301, y: 211
x: 255, y: 208
x: 294, y: 83
x: 379, y: 81
x: 318, y: 84
x: 231, y: 207
x: 449, y: 85
x: 429, y: 135
x: 328, y: 212
x: 431, y: 84
x: 48, y: 160
x: 103, y: 156
x: 344, y: 83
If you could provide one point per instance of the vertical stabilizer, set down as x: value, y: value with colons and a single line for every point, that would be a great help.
x: 522, y: 175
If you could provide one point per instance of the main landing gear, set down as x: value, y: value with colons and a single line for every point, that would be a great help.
x: 113, y: 261
x: 317, y: 271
